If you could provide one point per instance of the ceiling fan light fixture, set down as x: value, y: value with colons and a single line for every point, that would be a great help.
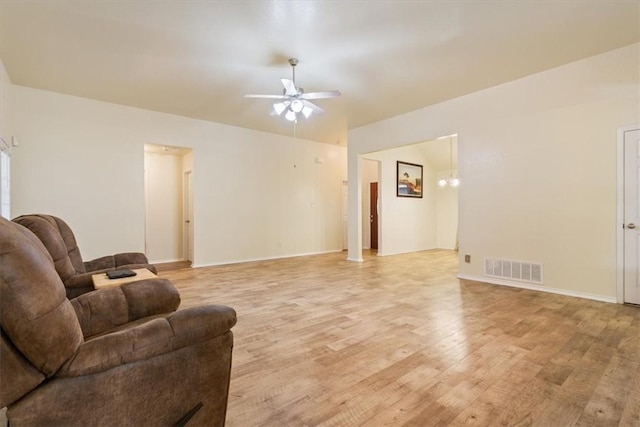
x: 279, y: 107
x: 291, y: 115
x: 297, y: 105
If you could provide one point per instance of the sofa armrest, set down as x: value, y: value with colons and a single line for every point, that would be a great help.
x: 152, y: 268
x: 127, y: 258
x: 103, y: 263
x: 153, y: 338
x: 82, y: 280
x: 105, y: 309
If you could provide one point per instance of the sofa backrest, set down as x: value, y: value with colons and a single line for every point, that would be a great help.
x: 59, y: 241
x: 40, y: 329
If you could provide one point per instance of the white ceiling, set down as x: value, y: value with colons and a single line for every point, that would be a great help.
x: 198, y: 58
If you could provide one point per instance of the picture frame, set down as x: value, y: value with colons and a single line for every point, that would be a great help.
x: 408, y: 180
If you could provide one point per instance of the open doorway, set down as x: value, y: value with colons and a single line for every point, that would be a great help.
x: 168, y: 203
x: 411, y: 224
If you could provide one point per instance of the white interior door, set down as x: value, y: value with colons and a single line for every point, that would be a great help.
x: 631, y: 216
x: 188, y: 216
x: 345, y: 215
x: 5, y: 177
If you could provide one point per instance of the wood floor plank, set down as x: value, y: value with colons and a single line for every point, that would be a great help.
x: 399, y: 341
x: 488, y: 407
x: 631, y: 408
x: 608, y: 399
x: 526, y: 403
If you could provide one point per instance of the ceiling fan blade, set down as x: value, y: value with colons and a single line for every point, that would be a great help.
x: 320, y: 95
x: 313, y: 106
x: 290, y: 88
x: 267, y: 96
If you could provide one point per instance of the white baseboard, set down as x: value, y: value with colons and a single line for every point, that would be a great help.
x: 240, y: 261
x: 166, y: 261
x: 532, y: 287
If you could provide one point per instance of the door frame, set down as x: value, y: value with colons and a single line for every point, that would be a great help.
x: 345, y: 215
x: 187, y: 215
x: 620, y: 211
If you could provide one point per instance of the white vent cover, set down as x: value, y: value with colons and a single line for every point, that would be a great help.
x: 523, y: 271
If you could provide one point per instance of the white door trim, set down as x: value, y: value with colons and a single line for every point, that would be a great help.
x: 620, y: 211
x: 187, y: 215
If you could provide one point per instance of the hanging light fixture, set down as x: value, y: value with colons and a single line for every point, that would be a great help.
x: 452, y: 180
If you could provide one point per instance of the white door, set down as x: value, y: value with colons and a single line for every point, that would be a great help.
x: 345, y: 215
x: 5, y: 176
x: 631, y: 216
x: 188, y: 216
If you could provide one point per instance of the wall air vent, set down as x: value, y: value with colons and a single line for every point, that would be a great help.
x: 523, y: 271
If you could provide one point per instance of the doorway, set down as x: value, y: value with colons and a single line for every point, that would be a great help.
x: 629, y: 144
x: 435, y: 215
x: 168, y: 197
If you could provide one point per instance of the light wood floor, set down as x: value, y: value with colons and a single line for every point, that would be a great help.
x: 399, y: 341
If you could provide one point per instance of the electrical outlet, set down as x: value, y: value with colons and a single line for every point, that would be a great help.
x: 467, y: 259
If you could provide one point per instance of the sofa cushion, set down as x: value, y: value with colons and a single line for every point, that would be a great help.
x: 59, y: 240
x: 35, y: 313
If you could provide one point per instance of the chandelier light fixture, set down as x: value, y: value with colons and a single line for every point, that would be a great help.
x: 452, y: 180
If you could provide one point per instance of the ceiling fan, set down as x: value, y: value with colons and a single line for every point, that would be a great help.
x: 294, y: 100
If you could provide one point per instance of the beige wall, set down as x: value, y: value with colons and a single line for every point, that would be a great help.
x: 256, y: 195
x: 5, y: 108
x: 537, y: 158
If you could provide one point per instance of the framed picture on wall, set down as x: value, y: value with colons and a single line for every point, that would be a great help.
x: 409, y: 180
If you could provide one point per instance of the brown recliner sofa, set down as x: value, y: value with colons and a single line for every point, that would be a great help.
x: 61, y: 243
x: 112, y: 357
